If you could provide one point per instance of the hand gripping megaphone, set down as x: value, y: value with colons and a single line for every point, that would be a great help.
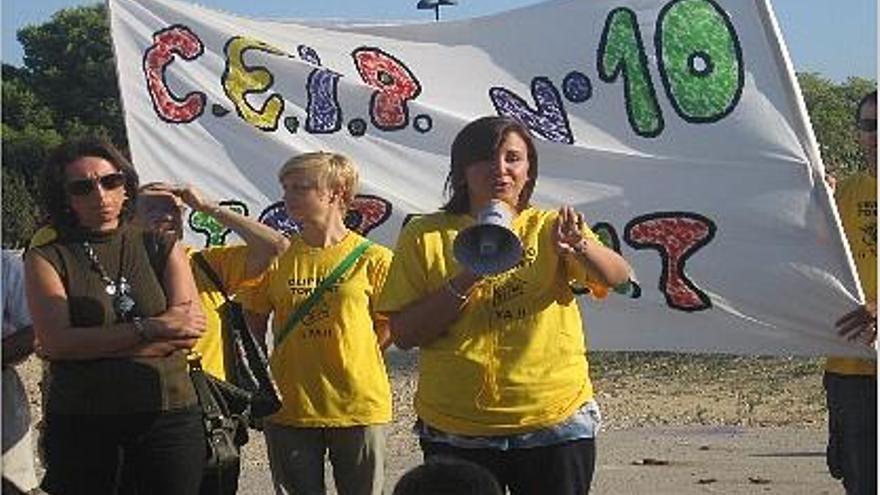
x: 489, y: 246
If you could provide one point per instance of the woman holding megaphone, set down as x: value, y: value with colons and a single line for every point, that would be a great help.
x: 503, y: 376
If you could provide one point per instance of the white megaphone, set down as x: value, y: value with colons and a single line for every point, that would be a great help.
x: 489, y: 246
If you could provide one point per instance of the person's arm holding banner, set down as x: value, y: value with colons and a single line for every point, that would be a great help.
x: 859, y: 324
x: 851, y: 384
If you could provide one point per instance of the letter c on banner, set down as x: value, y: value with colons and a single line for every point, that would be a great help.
x: 168, y: 42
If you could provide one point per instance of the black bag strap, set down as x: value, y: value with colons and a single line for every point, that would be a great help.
x: 211, y: 408
x: 252, y: 366
x: 209, y: 272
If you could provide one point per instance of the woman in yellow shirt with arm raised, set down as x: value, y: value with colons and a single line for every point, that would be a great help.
x: 327, y: 359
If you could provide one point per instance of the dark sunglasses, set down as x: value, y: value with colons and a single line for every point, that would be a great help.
x: 83, y: 187
x: 867, y: 125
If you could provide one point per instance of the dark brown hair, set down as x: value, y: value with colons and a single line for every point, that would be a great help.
x: 442, y: 475
x: 479, y: 141
x: 55, y: 198
x: 868, y: 98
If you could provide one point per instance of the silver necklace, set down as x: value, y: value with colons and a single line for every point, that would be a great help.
x: 120, y: 289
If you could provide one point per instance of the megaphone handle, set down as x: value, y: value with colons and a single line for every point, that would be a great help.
x: 452, y: 290
x: 462, y: 284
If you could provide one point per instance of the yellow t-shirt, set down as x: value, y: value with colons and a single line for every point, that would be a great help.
x: 44, y: 235
x: 515, y: 360
x: 230, y: 264
x: 857, y: 203
x: 329, y: 369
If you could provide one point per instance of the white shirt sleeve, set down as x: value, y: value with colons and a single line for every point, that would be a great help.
x: 15, y: 310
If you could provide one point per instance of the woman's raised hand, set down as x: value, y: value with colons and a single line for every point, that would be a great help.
x: 568, y: 233
x: 193, y: 197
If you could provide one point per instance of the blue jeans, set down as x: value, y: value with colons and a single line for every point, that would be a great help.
x: 852, y: 431
x: 160, y: 453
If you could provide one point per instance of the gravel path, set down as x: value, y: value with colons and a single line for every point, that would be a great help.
x: 673, y: 424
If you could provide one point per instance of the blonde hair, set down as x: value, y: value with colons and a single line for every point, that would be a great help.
x: 333, y: 171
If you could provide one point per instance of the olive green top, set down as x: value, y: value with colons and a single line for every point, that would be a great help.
x: 113, y: 385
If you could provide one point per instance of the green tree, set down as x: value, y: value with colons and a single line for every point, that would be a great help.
x: 832, y: 110
x: 20, y: 212
x: 66, y: 87
x: 28, y: 135
x: 69, y: 65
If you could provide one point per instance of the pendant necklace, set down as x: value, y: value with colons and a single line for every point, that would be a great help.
x: 119, y: 290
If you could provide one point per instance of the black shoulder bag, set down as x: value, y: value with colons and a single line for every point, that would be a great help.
x: 223, y: 413
x: 247, y: 367
x: 224, y: 408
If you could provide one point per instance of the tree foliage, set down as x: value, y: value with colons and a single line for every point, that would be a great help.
x: 20, y: 212
x: 69, y: 65
x: 67, y: 87
x: 832, y: 110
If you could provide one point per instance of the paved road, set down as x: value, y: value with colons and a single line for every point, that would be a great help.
x: 659, y: 461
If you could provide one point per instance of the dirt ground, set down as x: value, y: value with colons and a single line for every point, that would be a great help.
x: 672, y: 424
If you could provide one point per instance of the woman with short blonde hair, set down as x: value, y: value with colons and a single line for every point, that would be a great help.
x: 327, y: 361
x: 330, y: 170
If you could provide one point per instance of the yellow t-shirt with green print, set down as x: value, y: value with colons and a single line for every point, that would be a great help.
x: 856, y: 198
x: 515, y: 359
x: 329, y: 369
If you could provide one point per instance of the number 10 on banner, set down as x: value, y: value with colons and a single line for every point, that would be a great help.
x: 698, y: 56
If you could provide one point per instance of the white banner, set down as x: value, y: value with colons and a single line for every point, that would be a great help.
x: 675, y: 126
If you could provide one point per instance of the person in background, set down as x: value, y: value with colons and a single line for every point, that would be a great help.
x: 19, y: 474
x: 503, y: 376
x: 115, y: 312
x: 327, y: 360
x: 447, y: 476
x: 850, y: 383
x: 161, y: 209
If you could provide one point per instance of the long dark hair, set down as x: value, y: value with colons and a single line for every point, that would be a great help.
x: 54, y: 196
x: 479, y: 141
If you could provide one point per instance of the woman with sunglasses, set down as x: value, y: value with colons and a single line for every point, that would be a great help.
x: 114, y: 312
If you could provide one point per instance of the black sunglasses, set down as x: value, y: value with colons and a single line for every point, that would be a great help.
x: 867, y: 125
x: 83, y: 187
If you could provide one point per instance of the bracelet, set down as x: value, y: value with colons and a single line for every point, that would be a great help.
x: 140, y: 329
x: 452, y: 290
